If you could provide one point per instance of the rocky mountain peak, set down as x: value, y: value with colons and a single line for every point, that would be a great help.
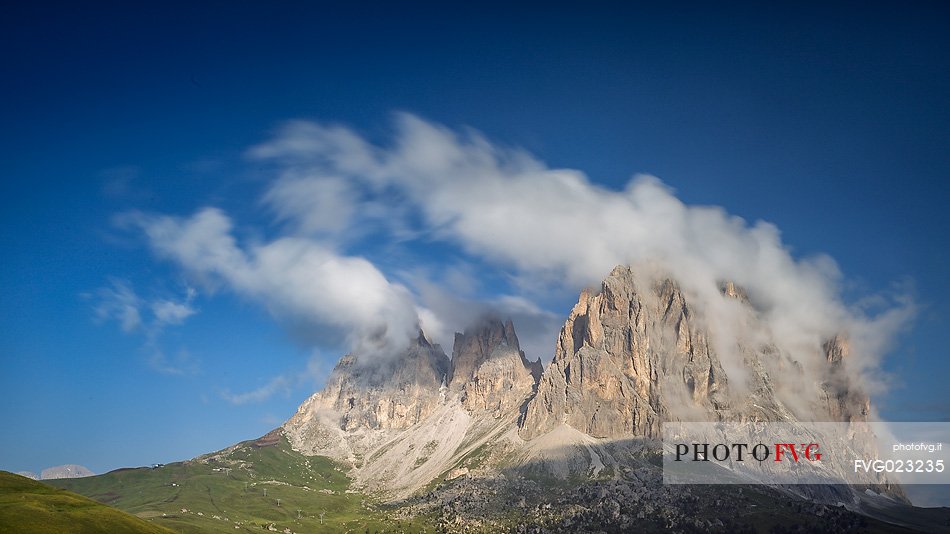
x: 624, y: 353
x: 730, y: 289
x: 632, y: 354
x: 491, y: 370
x: 837, y: 349
x: 636, y: 353
x: 843, y: 400
x: 476, y: 345
x: 378, y: 393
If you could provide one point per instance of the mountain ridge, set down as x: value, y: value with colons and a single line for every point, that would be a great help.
x: 631, y: 355
x: 490, y: 441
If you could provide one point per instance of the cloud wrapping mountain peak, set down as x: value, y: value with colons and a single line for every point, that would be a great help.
x: 543, y: 228
x: 504, y: 206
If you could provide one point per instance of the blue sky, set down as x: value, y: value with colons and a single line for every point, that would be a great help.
x: 829, y: 123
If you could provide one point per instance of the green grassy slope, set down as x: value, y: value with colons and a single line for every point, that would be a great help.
x: 240, y: 487
x: 28, y: 506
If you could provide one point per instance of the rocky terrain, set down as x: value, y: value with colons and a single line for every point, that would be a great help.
x: 489, y: 433
x: 405, y: 422
x: 635, y: 503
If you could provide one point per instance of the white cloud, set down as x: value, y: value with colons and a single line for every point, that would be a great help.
x: 297, y: 279
x: 169, y: 312
x: 120, y: 303
x: 554, y: 226
x: 545, y: 229
x: 316, y: 205
x: 180, y: 363
x: 278, y: 384
x: 150, y: 318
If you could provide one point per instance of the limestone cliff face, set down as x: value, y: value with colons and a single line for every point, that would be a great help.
x: 843, y: 400
x: 400, y: 423
x: 636, y: 353
x: 491, y: 369
x: 475, y: 346
x: 500, y: 385
x: 391, y: 394
x: 614, y: 355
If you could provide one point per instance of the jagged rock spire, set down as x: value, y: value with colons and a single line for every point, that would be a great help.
x: 475, y: 346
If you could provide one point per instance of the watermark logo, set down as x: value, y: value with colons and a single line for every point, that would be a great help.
x: 805, y: 453
x: 740, y: 452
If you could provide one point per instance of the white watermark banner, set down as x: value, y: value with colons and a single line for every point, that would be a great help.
x: 859, y: 453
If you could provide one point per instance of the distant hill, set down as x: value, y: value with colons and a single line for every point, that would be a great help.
x: 28, y: 506
x: 59, y: 471
x: 65, y: 471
